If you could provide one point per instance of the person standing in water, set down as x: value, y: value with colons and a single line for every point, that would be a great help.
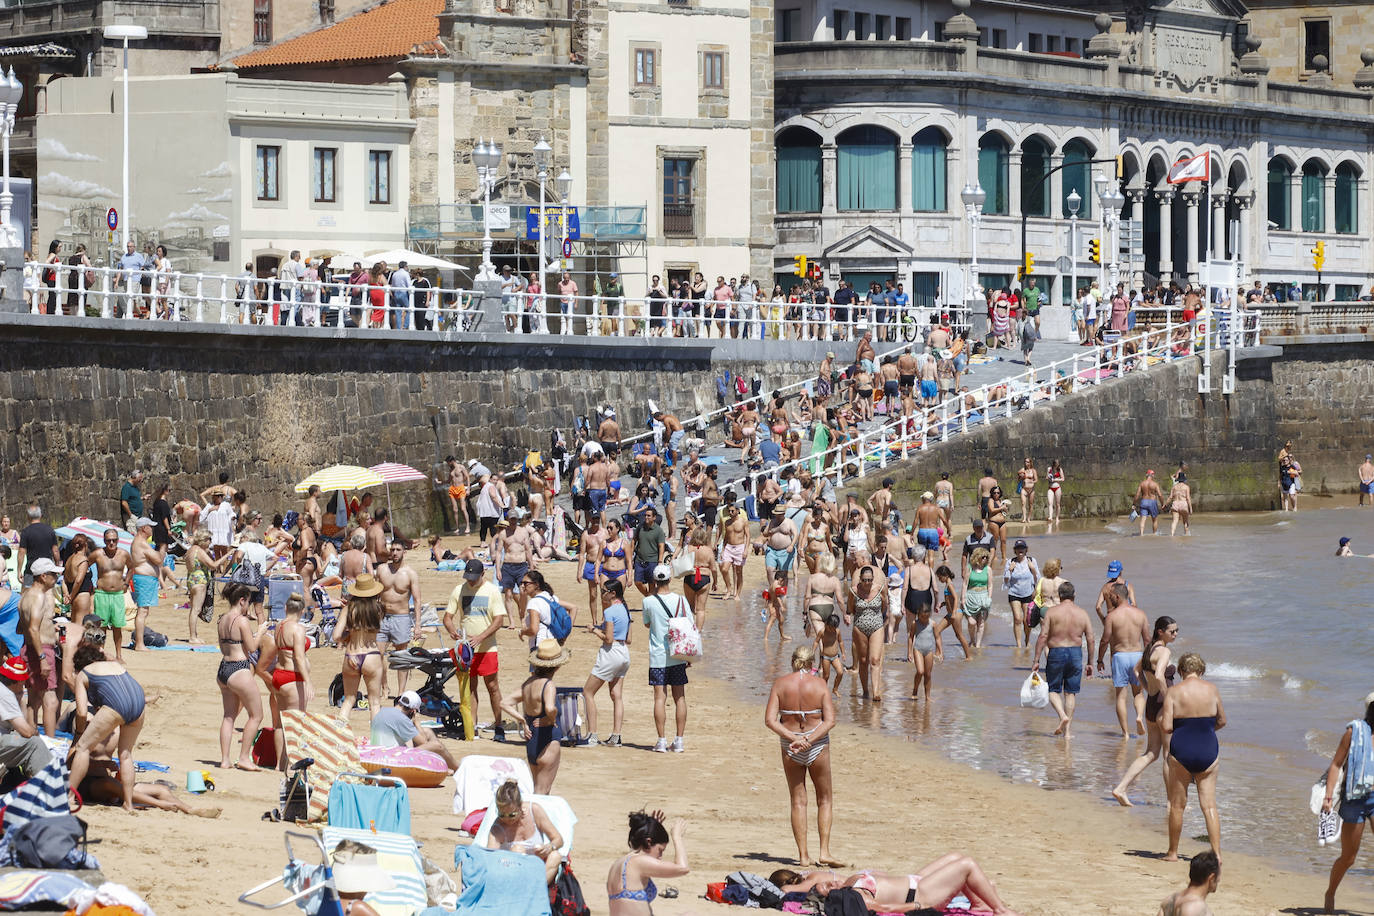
x: 1189, y: 722
x: 1065, y: 628
x: 1125, y: 632
x: 1158, y: 675
x: 1147, y: 497
x: 1180, y: 503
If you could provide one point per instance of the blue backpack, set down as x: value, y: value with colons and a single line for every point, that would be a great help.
x: 560, y: 623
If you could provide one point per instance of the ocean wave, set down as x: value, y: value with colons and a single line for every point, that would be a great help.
x: 1234, y: 672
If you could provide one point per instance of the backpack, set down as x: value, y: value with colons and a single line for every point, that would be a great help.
x: 46, y: 842
x: 560, y: 624
x: 565, y: 895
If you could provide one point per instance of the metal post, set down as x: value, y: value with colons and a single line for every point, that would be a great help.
x: 200, y: 297
x: 105, y: 294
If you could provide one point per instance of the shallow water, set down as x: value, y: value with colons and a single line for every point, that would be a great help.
x: 1283, y: 625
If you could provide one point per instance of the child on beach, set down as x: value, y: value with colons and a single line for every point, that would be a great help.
x: 830, y: 650
x: 774, y: 608
x: 923, y: 654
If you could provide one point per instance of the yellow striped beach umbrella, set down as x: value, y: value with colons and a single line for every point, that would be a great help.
x: 341, y: 477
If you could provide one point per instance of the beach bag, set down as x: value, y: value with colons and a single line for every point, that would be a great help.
x: 1035, y: 691
x: 565, y: 896
x: 684, y: 563
x: 153, y: 639
x: 46, y: 842
x: 684, y: 640
x: 762, y: 891
x: 560, y: 624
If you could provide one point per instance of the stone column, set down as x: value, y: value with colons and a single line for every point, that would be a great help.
x: 1295, y: 201
x: 1166, y: 234
x: 1329, y: 203
x: 1054, y: 188
x: 904, y: 178
x: 1218, y: 239
x: 1137, y: 272
x: 1013, y: 182
x: 1242, y: 247
x: 829, y: 182
x: 1190, y: 260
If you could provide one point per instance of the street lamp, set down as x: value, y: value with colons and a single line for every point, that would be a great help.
x: 127, y: 33
x: 541, y: 165
x: 564, y: 181
x: 487, y: 158
x: 1112, y: 202
x: 973, y: 197
x: 11, y: 91
x: 1100, y: 183
x: 1075, y: 201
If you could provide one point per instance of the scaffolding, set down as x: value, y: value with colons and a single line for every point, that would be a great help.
x: 612, y: 239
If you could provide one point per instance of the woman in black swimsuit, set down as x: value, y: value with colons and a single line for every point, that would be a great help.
x: 76, y: 572
x: 1159, y: 677
x: 696, y: 585
x: 237, y: 641
x: 543, y: 749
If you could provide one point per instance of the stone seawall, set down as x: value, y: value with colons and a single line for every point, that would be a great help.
x: 82, y: 409
x: 1108, y: 436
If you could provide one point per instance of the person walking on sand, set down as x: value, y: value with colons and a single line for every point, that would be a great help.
x: 1189, y: 722
x: 1204, y: 873
x: 1125, y: 632
x: 543, y: 739
x: 238, y: 690
x: 867, y: 611
x: 1180, y: 503
x: 665, y: 673
x: 1147, y: 497
x: 1064, y: 632
x: 1351, y: 795
x: 612, y: 663
x: 356, y: 636
x: 401, y: 603
x: 1158, y: 676
x: 801, y: 713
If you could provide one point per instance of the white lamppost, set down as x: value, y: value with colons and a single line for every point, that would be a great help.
x: 564, y: 192
x: 1075, y: 202
x: 127, y: 33
x: 1100, y: 182
x: 487, y: 158
x: 1112, y: 203
x: 11, y: 91
x: 973, y: 197
x: 541, y: 165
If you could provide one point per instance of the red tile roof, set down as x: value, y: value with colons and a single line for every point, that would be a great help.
x: 389, y: 31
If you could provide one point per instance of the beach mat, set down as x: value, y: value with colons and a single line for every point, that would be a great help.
x: 330, y: 743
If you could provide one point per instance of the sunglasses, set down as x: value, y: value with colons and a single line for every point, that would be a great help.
x: 508, y: 816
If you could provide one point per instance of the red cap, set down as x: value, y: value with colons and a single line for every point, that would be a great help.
x: 15, y: 668
x: 1149, y: 473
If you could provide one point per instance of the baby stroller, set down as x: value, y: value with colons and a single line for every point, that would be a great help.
x: 329, y: 615
x: 439, y: 666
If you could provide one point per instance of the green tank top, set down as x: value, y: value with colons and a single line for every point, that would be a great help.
x: 978, y: 578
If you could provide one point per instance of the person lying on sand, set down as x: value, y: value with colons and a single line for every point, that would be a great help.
x: 933, y: 885
x: 102, y: 787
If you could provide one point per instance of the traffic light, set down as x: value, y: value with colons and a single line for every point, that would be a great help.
x: 1318, y: 256
x: 1028, y: 266
x: 816, y: 273
x: 800, y: 269
x: 1095, y: 251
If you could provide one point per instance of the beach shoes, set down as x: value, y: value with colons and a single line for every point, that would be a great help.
x: 1328, y: 828
x: 677, y: 746
x: 661, y: 747
x: 612, y: 741
x: 591, y: 741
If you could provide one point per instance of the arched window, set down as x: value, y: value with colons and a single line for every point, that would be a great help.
x: 798, y: 171
x: 1313, y: 197
x: 928, y: 171
x: 1077, y: 176
x: 867, y: 169
x: 1280, y: 180
x: 1347, y: 198
x: 1035, y: 164
x: 992, y: 172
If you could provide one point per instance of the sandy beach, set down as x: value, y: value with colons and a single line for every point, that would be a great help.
x: 898, y: 804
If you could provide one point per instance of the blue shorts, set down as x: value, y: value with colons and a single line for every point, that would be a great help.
x: 644, y: 572
x: 929, y: 389
x: 1149, y: 507
x: 511, y: 574
x: 1064, y: 669
x: 1367, y: 488
x: 778, y: 559
x: 676, y: 438
x: 598, y: 501
x: 145, y: 590
x: 1123, y: 669
x: 670, y: 676
x: 589, y: 572
x: 929, y: 538
x: 1357, y: 810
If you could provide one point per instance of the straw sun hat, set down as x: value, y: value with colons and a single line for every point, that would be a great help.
x: 365, y: 586
x: 356, y: 872
x: 549, y: 654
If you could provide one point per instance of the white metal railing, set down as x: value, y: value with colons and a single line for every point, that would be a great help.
x: 893, y: 439
x: 221, y: 299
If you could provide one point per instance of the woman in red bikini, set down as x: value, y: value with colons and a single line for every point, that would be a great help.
x: 284, y: 656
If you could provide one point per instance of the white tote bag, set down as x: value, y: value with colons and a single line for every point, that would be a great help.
x: 684, y: 639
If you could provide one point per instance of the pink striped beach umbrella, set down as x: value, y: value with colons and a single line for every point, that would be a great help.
x: 391, y: 472
x: 95, y: 530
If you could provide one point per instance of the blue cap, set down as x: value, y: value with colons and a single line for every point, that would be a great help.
x: 1114, y: 569
x: 1345, y: 541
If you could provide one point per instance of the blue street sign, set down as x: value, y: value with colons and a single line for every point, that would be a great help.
x: 553, y: 218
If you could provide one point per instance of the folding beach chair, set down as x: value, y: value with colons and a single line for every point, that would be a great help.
x: 367, y: 801
x: 310, y: 886
x: 478, y: 776
x: 329, y: 743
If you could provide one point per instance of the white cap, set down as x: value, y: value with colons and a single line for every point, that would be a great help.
x: 144, y: 522
x: 42, y: 566
x: 663, y: 573
x: 409, y: 700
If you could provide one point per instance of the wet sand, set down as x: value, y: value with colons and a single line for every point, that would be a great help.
x: 898, y: 805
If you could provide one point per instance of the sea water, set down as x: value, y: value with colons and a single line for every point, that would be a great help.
x: 1284, y: 626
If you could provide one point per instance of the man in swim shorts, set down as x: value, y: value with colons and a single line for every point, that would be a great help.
x: 907, y: 365
x: 114, y: 567
x: 598, y: 478
x: 514, y: 556
x: 1064, y: 631
x: 780, y: 541
x: 1147, y: 497
x: 40, y: 640
x: 400, y: 607
x: 928, y: 518
x: 1125, y: 632
x: 146, y: 561
x: 985, y: 485
x: 734, y: 547
x: 930, y: 384
x: 1367, y: 480
x: 458, y: 481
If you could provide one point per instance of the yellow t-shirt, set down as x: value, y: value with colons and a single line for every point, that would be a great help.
x: 480, y: 608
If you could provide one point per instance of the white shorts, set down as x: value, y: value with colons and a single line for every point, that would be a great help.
x: 612, y: 661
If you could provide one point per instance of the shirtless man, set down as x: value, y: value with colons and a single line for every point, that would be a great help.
x: 985, y: 485
x: 861, y: 388
x: 1028, y: 477
x: 588, y: 561
x: 458, y: 481
x: 928, y: 518
x: 312, y: 506
x: 780, y: 541
x: 538, y: 487
x: 710, y: 497
x: 114, y: 567
x: 608, y: 434
x: 401, y: 605
x: 938, y: 340
x: 1366, y: 483
x: 734, y: 532
x: 864, y: 354
x: 1180, y: 503
x: 906, y: 380
x: 889, y: 377
x: 770, y: 495
x: 376, y: 538
x: 673, y: 432
x: 40, y: 642
x: 1125, y: 632
x: 514, y: 557
x: 1065, y: 630
x: 930, y: 382
x: 1147, y: 497
x: 880, y: 502
x: 147, y: 562
x: 1114, y: 569
x: 598, y: 477
x: 1204, y: 873
x: 944, y: 497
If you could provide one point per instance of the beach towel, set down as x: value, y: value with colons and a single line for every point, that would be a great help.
x: 21, y: 889
x: 398, y: 856
x: 331, y: 744
x: 44, y: 795
x: 499, y: 883
x: 475, y: 783
x: 1359, y: 771
x: 365, y: 806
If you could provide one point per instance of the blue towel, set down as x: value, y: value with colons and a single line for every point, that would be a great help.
x: 369, y: 807
x: 499, y: 883
x: 1359, y: 768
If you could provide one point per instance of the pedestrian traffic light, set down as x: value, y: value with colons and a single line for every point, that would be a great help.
x: 1095, y: 251
x: 800, y: 269
x: 816, y: 273
x: 1027, y: 266
x: 1318, y: 256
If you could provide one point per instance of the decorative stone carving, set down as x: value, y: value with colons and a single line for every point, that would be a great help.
x: 961, y: 26
x: 1364, y: 77
x: 1103, y: 45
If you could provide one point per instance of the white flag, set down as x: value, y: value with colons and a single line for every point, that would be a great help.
x: 1192, y: 169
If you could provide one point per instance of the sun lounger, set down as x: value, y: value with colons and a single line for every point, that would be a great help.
x: 559, y: 811
x: 398, y: 856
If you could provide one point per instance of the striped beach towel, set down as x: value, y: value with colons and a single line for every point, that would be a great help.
x: 327, y: 740
x: 44, y: 795
x: 398, y: 856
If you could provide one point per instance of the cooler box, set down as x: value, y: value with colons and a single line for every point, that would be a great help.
x: 279, y: 588
x: 568, y: 702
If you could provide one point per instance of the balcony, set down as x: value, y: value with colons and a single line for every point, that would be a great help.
x: 62, y: 19
x: 679, y: 220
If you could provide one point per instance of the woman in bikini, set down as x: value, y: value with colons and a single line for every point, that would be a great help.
x: 356, y: 634
x: 630, y: 888
x: 613, y: 554
x: 1188, y: 722
x: 933, y: 886
x: 823, y: 594
x: 291, y: 677
x: 524, y: 827
x: 77, y: 574
x: 534, y: 704
x: 1054, y: 475
x: 816, y: 537
x: 238, y: 639
x: 855, y: 542
x: 696, y: 585
x: 1159, y: 677
x: 200, y: 569
x: 801, y: 713
x: 867, y: 611
x: 997, y: 522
